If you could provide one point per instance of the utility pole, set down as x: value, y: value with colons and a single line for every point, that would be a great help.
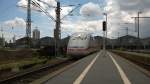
x: 14, y: 38
x: 138, y: 30
x: 3, y: 40
x: 104, y: 41
x: 28, y: 25
x: 127, y: 29
x: 57, y: 30
x: 138, y: 22
x: 119, y: 39
x: 104, y: 34
x: 106, y: 29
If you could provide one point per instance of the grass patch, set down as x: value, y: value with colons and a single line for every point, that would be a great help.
x: 21, y: 64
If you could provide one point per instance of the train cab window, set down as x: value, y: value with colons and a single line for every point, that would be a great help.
x: 79, y: 38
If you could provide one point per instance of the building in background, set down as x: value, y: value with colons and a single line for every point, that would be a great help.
x: 36, y: 34
x: 36, y: 38
x: 14, y: 39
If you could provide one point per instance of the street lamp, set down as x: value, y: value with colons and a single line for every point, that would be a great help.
x: 119, y: 43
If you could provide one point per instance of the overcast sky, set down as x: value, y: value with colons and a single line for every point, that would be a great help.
x: 88, y: 17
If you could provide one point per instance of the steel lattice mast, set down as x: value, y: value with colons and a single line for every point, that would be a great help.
x: 57, y: 31
x: 28, y: 24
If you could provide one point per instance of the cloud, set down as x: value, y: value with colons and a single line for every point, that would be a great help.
x: 13, y: 27
x: 121, y: 11
x: 43, y: 3
x: 92, y: 26
x: 23, y: 4
x: 16, y: 22
x: 50, y: 2
x: 134, y: 5
x: 64, y: 11
x: 90, y: 9
x: 89, y: 21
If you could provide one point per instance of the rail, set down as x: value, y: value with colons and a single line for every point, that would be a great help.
x: 137, y: 57
x: 30, y: 71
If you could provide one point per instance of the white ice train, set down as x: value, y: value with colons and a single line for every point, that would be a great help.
x: 81, y: 44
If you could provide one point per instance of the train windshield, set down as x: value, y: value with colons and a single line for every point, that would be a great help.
x: 79, y: 37
x: 79, y: 40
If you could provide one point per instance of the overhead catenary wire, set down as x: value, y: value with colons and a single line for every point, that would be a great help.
x: 43, y: 10
x: 47, y: 4
x: 39, y: 6
x: 71, y: 11
x: 35, y: 3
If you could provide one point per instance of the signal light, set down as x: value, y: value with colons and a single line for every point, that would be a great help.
x: 104, y: 25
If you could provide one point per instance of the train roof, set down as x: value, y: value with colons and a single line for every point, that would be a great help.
x: 81, y: 34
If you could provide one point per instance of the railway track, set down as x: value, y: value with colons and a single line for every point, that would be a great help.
x: 27, y: 76
x: 141, y: 51
x: 143, y: 63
